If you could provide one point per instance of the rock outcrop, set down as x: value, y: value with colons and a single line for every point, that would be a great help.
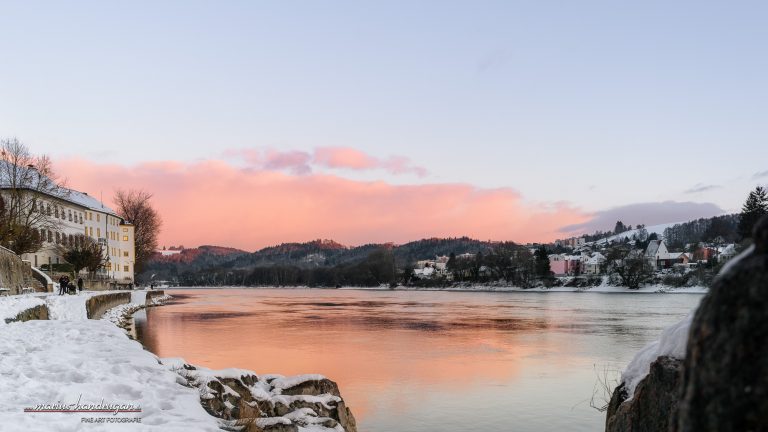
x: 722, y: 383
x: 268, y: 403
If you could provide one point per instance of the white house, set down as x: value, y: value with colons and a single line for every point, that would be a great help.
x: 594, y: 263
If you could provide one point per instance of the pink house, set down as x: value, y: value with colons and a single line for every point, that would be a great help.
x: 562, y: 265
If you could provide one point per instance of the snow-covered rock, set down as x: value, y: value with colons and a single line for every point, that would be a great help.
x: 304, y: 403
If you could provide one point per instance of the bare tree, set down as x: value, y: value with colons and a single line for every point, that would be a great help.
x: 83, y: 252
x: 28, y: 186
x: 134, y: 207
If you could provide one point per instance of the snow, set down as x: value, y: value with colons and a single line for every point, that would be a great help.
x: 68, y: 307
x: 729, y: 265
x: 11, y: 306
x: 672, y: 343
x: 52, y: 362
x: 288, y: 382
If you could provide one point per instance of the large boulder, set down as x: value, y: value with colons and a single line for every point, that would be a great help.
x: 725, y: 373
x: 653, y: 403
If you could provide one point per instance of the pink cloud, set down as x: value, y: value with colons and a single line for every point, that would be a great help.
x: 214, y: 202
x: 297, y: 162
x: 349, y: 158
x: 300, y: 162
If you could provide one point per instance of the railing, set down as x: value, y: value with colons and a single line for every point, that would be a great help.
x: 42, y: 278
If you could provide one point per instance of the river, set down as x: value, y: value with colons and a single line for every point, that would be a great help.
x: 418, y: 361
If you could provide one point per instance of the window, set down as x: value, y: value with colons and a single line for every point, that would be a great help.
x: 70, y: 215
x: 50, y: 236
x: 58, y: 238
x: 56, y: 211
x: 48, y: 209
x: 125, y: 238
x: 125, y: 229
x: 98, y: 217
x: 109, y: 266
x: 86, y: 230
x: 90, y: 230
x: 125, y: 253
x: 125, y: 269
x: 98, y: 232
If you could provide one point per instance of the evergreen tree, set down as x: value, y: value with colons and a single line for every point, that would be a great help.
x: 541, y: 263
x: 754, y: 208
x: 620, y: 228
x: 451, y: 264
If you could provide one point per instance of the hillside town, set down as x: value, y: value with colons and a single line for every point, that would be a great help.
x: 629, y: 260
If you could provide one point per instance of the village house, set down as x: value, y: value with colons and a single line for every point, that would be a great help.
x: 659, y: 257
x: 593, y: 266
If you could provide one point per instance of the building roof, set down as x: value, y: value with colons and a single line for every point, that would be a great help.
x: 34, y: 182
x: 597, y: 258
x: 672, y: 255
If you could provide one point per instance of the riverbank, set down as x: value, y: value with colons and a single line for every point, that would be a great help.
x: 604, y: 289
x: 67, y: 372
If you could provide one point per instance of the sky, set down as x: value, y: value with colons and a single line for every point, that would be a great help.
x: 255, y: 123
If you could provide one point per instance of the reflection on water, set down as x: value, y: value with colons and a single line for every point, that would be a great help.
x: 424, y: 361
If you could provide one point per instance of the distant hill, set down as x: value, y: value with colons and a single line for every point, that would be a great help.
x: 308, y: 255
x: 168, y: 267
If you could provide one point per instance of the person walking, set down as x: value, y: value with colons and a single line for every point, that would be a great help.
x: 62, y: 285
x: 80, y: 284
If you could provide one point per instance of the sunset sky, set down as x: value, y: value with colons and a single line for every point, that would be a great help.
x: 255, y: 123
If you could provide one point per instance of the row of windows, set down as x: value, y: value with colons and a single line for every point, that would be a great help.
x: 117, y: 267
x: 117, y: 252
x: 56, y: 212
x: 76, y: 217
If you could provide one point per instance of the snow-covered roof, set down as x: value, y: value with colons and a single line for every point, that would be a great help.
x: 671, y: 255
x: 597, y: 258
x: 85, y: 200
x: 33, y: 181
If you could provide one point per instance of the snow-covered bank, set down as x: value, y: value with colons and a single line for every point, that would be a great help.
x: 649, y: 289
x: 46, y: 362
x: 70, y: 362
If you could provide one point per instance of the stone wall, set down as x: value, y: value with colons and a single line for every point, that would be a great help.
x: 39, y: 312
x: 151, y: 295
x: 100, y: 303
x: 15, y: 274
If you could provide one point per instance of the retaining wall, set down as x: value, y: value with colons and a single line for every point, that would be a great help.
x: 98, y: 304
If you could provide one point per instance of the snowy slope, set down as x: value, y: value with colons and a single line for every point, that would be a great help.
x: 658, y: 229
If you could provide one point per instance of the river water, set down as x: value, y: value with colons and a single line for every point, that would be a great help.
x: 427, y: 360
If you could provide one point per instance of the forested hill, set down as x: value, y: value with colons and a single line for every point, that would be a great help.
x: 314, y: 254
